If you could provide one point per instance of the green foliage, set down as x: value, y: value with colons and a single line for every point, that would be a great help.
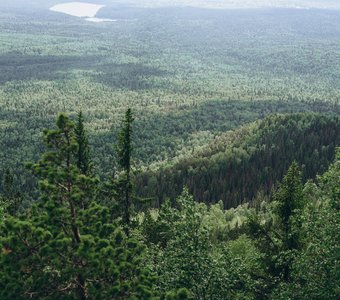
x: 300, y: 243
x: 67, y: 246
x: 290, y: 201
x: 276, y: 236
x: 184, y: 254
x: 11, y: 198
x: 205, y: 250
x: 190, y: 76
x: 39, y: 260
x: 124, y: 147
x: 329, y: 182
x: 1, y: 212
x: 181, y: 294
x: 315, y: 271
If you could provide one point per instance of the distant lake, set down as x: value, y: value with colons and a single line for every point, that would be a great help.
x: 82, y: 10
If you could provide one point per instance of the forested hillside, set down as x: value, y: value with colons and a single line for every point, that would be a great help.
x: 235, y: 167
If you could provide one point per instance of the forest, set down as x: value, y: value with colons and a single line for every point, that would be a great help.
x: 183, y: 151
x: 85, y: 238
x: 247, y: 161
x: 194, y: 71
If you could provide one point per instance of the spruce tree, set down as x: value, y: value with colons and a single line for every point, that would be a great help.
x: 290, y: 199
x: 84, y: 161
x: 278, y: 238
x: 124, y: 151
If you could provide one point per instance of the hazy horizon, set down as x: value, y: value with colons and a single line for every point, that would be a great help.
x: 225, y: 4
x: 214, y: 4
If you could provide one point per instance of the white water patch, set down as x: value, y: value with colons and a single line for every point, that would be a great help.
x: 81, y: 10
x: 78, y: 9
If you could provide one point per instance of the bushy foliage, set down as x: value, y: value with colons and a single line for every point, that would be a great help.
x: 67, y: 246
x: 315, y: 271
x: 186, y: 253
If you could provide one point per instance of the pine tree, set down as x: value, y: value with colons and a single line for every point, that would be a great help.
x: 63, y: 185
x: 124, y: 151
x: 84, y: 161
x: 62, y: 249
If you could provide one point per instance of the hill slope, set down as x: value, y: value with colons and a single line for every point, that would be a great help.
x: 251, y: 159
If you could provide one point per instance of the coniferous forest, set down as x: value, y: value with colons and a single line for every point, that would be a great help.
x: 89, y: 238
x: 164, y: 150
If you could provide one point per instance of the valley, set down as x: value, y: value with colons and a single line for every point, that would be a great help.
x: 190, y: 75
x: 169, y: 150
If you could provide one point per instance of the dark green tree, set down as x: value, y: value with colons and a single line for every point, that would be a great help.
x: 84, y: 161
x: 278, y: 237
x: 11, y: 197
x: 2, y: 209
x: 290, y: 201
x: 124, y: 153
x: 8, y: 183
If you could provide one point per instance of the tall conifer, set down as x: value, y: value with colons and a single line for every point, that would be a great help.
x: 124, y: 151
x: 84, y: 161
x: 290, y: 199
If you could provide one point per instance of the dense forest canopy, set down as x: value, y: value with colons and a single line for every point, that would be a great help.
x: 247, y: 161
x: 196, y: 71
x: 70, y: 244
x: 182, y: 150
